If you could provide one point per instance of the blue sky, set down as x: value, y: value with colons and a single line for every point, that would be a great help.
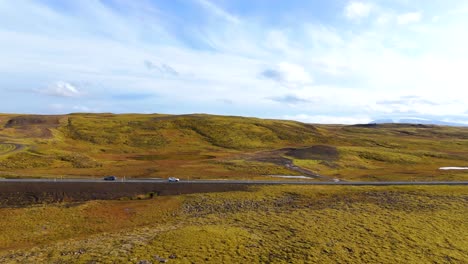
x: 331, y: 61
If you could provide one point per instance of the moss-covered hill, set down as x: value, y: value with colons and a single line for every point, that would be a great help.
x: 207, y: 146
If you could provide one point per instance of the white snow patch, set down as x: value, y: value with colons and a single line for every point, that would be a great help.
x: 453, y: 168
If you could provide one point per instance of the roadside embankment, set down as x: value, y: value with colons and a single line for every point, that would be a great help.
x: 27, y: 193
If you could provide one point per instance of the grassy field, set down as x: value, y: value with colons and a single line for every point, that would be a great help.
x: 207, y: 147
x: 276, y: 224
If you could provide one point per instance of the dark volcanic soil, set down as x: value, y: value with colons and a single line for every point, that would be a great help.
x: 22, y: 121
x: 317, y: 152
x: 14, y: 194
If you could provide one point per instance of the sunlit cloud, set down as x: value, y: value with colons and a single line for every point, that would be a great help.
x: 407, y: 18
x: 356, y: 10
x: 61, y: 89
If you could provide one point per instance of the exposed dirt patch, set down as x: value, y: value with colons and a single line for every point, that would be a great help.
x: 181, y: 156
x: 80, y: 160
x: 372, y: 125
x: 276, y: 157
x: 45, y: 133
x: 318, y: 152
x: 278, y: 160
x: 22, y: 121
x: 33, y: 126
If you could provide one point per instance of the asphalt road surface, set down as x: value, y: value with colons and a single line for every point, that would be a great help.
x: 251, y: 182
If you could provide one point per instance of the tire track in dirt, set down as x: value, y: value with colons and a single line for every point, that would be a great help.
x: 276, y: 157
x: 290, y: 165
x: 17, y: 147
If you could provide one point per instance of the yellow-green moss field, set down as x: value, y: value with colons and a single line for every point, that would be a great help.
x: 278, y: 224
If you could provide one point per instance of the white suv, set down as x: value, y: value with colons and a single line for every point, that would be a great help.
x: 173, y: 179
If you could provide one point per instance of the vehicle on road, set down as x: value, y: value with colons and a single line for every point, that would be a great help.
x: 110, y: 178
x: 173, y: 179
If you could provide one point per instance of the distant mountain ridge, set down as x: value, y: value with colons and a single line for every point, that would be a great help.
x: 417, y: 121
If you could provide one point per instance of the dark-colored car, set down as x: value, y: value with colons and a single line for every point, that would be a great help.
x: 110, y: 178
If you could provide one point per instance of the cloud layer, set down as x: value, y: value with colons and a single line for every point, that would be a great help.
x: 333, y: 61
x: 61, y: 89
x: 356, y: 10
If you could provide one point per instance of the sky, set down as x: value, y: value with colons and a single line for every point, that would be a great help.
x: 333, y: 61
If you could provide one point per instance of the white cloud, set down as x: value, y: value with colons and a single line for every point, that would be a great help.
x: 84, y: 109
x: 356, y: 10
x: 344, y: 71
x: 218, y: 11
x: 325, y: 119
x: 290, y: 99
x: 57, y: 108
x: 408, y: 18
x: 61, y: 89
x: 277, y: 40
x: 323, y: 36
x: 288, y: 74
x: 384, y: 19
x: 294, y: 73
x: 421, y: 105
x: 162, y: 68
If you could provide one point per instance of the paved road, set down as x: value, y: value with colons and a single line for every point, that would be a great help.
x: 253, y: 182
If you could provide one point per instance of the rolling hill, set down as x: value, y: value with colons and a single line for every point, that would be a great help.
x: 209, y: 146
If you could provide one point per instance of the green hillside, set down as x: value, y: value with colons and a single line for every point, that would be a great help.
x: 208, y: 146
